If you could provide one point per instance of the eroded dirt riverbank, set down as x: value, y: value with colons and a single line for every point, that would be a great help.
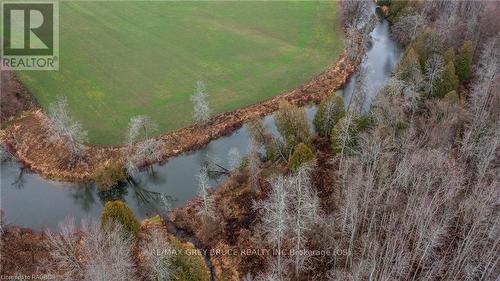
x: 26, y: 137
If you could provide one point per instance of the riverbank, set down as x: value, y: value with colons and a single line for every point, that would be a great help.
x: 26, y: 138
x: 26, y: 253
x: 232, y: 236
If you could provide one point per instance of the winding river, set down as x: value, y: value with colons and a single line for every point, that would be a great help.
x: 31, y: 201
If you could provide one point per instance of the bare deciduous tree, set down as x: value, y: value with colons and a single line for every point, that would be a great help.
x: 414, y: 205
x: 428, y: 182
x: 157, y: 256
x: 140, y: 127
x: 353, y: 46
x: 253, y: 165
x: 200, y: 103
x: 275, y: 220
x: 63, y: 128
x: 343, y: 137
x: 289, y: 214
x: 108, y: 252
x: 411, y: 99
x: 303, y: 213
x: 64, y: 250
x: 346, y: 127
x: 433, y: 69
x: 450, y: 28
x: 360, y: 92
x: 93, y: 253
x: 144, y: 152
x: 259, y: 134
x: 233, y: 158
x: 206, y: 208
x: 257, y: 130
x: 408, y: 27
x: 484, y: 98
x: 355, y: 12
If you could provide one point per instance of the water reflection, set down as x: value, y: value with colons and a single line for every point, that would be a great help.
x: 30, y: 201
x: 19, y: 181
x: 83, y: 196
x: 43, y: 203
x: 381, y: 58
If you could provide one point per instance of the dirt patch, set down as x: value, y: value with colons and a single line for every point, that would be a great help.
x: 14, y: 97
x: 24, y: 252
x: 26, y: 137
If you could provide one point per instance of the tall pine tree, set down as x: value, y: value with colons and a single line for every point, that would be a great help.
x: 463, y: 61
x: 448, y: 81
x: 449, y: 55
x: 409, y: 68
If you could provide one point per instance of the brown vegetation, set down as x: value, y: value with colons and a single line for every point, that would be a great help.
x: 234, y: 203
x: 26, y: 253
x: 14, y: 96
x: 416, y: 199
x: 26, y: 137
x: 23, y: 252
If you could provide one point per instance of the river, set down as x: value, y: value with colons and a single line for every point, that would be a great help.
x: 31, y: 201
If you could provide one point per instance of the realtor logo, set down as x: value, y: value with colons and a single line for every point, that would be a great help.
x: 30, y: 35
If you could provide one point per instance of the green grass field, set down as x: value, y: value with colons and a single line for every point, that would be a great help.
x: 121, y: 59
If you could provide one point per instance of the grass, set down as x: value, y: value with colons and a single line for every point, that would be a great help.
x: 122, y: 59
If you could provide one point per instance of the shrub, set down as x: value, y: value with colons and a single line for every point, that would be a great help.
x: 272, y: 148
x: 189, y: 267
x: 383, y: 2
x: 257, y: 130
x: 259, y: 133
x: 363, y: 122
x: 118, y: 212
x: 452, y: 97
x: 463, y: 61
x: 301, y: 154
x: 329, y: 112
x: 110, y: 175
x: 292, y: 124
x: 396, y: 10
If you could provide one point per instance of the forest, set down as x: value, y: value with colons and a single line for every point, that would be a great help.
x: 400, y: 185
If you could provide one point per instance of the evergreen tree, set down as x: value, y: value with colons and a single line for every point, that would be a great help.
x: 329, y: 112
x: 409, y: 68
x: 427, y: 44
x: 118, y: 212
x: 449, y: 55
x: 448, y: 81
x: 344, y: 135
x: 463, y: 61
x: 301, y: 154
x: 292, y: 124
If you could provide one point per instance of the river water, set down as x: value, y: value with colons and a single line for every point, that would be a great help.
x: 31, y: 201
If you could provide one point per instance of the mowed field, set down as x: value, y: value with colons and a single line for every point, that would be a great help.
x: 122, y: 59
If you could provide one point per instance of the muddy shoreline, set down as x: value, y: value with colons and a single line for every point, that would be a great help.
x: 25, y: 137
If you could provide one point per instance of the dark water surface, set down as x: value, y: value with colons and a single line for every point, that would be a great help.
x: 31, y: 201
x: 378, y: 64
